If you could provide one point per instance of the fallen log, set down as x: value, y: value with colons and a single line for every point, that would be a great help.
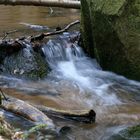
x: 86, y: 116
x: 27, y: 111
x: 48, y: 3
x: 38, y: 114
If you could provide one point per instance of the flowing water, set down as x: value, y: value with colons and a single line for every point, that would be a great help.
x: 76, y: 82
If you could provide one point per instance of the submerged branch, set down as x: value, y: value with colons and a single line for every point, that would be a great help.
x: 48, y: 3
x: 40, y: 114
x: 86, y: 116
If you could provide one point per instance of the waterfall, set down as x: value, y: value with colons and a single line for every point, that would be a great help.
x: 68, y: 61
x: 71, y: 68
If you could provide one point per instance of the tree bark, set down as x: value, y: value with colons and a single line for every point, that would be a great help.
x: 49, y: 3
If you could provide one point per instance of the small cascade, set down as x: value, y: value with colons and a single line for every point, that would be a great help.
x: 61, y: 49
x: 68, y: 61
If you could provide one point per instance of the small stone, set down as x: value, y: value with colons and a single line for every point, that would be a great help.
x: 16, y: 71
x: 21, y: 72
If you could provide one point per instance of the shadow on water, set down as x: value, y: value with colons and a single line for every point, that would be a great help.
x: 75, y: 81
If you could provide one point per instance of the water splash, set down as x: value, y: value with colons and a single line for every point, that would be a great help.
x: 68, y: 61
x: 35, y: 27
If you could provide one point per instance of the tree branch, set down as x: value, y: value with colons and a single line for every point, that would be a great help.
x: 41, y: 36
x: 7, y: 33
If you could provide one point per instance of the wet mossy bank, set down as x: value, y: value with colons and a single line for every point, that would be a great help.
x: 111, y: 32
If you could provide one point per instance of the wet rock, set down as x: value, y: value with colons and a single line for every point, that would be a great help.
x: 131, y: 133
x: 26, y: 63
x: 6, y: 131
x: 111, y: 32
x: 65, y: 130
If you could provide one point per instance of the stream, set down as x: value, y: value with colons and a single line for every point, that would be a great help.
x: 76, y: 81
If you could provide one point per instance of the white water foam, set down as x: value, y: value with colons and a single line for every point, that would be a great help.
x: 70, y: 63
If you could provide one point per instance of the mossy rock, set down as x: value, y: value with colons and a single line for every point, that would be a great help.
x: 113, y: 34
x: 25, y: 63
x: 131, y: 133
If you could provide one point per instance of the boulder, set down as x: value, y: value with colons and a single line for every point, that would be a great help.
x: 111, y: 32
x: 25, y: 63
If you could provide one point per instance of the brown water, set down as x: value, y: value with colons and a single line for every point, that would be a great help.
x: 116, y: 100
x: 11, y: 18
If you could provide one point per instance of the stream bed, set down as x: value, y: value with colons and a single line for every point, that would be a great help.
x: 76, y: 82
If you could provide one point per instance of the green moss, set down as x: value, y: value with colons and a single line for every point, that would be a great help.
x: 105, y: 49
x: 41, y: 70
x: 128, y: 30
x: 5, y: 129
x: 108, y: 7
x: 131, y: 132
x: 43, y: 67
x: 115, y: 32
x: 33, y: 130
x: 26, y: 64
x: 134, y: 131
x: 86, y: 29
x: 113, y: 7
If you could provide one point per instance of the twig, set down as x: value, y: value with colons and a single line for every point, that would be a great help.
x: 7, y: 33
x: 51, y: 11
x: 41, y: 36
x: 2, y: 93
